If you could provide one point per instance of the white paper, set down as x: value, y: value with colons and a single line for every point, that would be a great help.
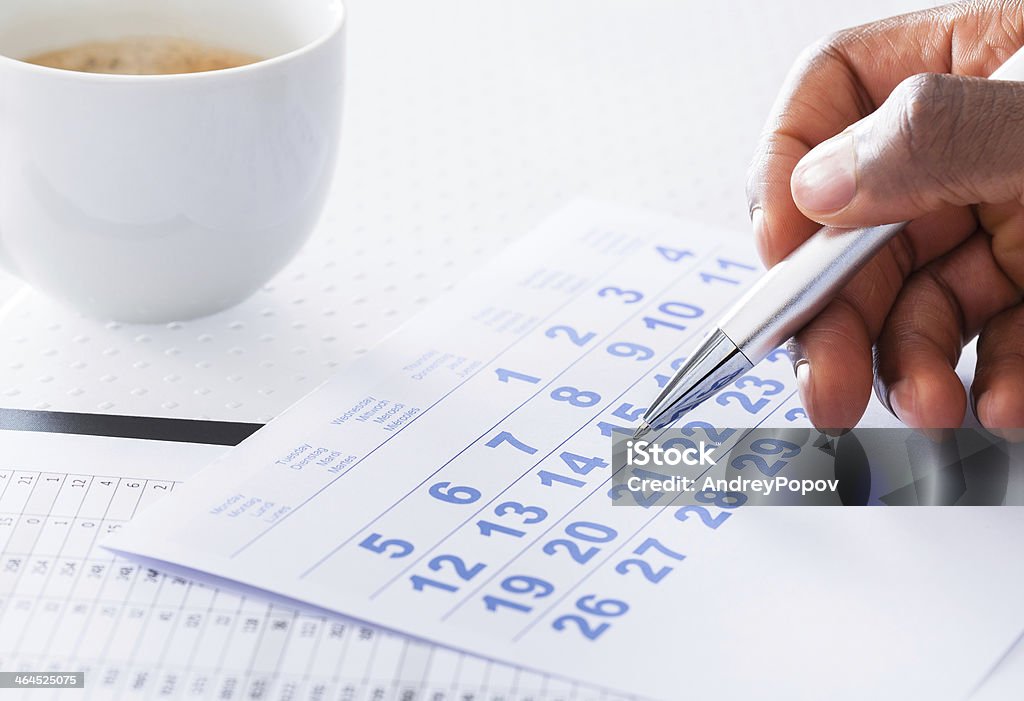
x: 67, y: 606
x: 425, y: 489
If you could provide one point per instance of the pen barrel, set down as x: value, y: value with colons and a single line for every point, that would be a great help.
x: 795, y: 290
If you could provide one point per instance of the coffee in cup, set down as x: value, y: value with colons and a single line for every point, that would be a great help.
x: 144, y: 55
x: 168, y: 196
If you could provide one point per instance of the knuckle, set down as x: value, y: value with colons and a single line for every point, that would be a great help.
x: 921, y: 91
x: 927, y: 115
x: 825, y: 48
x: 922, y: 104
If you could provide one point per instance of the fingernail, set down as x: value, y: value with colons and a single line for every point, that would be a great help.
x: 983, y: 409
x: 903, y: 400
x: 757, y: 221
x: 760, y: 232
x: 991, y: 415
x: 802, y: 368
x: 825, y: 180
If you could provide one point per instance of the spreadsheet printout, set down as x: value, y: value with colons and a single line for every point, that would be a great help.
x: 454, y: 485
x: 137, y: 633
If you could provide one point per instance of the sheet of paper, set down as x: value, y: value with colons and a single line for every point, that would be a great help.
x: 1007, y: 677
x: 453, y: 485
x: 67, y: 605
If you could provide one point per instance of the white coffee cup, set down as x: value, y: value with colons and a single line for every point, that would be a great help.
x: 152, y: 198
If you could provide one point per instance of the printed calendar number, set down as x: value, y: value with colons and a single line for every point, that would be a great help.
x: 726, y: 265
x: 579, y: 464
x: 509, y: 375
x: 764, y: 448
x: 523, y: 587
x: 392, y: 547
x: 528, y: 515
x: 458, y: 494
x: 592, y: 608
x: 644, y: 566
x: 626, y: 296
x: 753, y: 385
x: 450, y: 565
x: 581, y: 532
x: 624, y: 349
x: 574, y: 336
x: 673, y: 255
x: 576, y: 397
x: 506, y: 437
x: 723, y: 500
x: 676, y: 310
x: 796, y: 413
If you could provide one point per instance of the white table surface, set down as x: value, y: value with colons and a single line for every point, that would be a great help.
x: 466, y: 123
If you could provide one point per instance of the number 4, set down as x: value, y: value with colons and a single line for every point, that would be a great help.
x: 673, y: 255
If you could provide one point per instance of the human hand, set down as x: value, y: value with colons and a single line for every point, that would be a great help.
x: 858, y: 137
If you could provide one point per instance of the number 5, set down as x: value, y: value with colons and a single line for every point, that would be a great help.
x: 374, y: 543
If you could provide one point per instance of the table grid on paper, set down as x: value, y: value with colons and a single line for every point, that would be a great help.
x: 66, y: 604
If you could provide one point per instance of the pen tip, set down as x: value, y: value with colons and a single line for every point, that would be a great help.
x: 644, y: 428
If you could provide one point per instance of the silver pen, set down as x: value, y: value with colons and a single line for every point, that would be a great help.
x: 781, y: 303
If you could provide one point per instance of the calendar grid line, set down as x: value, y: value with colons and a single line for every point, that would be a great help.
x: 397, y: 680
x: 78, y: 510
x: 473, y: 592
x: 236, y: 618
x: 8, y: 481
x: 644, y: 375
x: 151, y: 609
x: 93, y: 481
x: 526, y: 401
x: 292, y: 626
x: 614, y: 342
x: 13, y: 592
x: 122, y: 673
x: 268, y: 615
x: 308, y: 669
x: 369, y: 665
x: 625, y: 541
x: 565, y: 516
x: 390, y: 437
x: 148, y: 607
x: 128, y: 593
x: 180, y: 611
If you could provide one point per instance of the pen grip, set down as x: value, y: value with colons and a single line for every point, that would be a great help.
x: 795, y: 290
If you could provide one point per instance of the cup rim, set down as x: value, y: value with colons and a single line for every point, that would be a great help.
x: 337, y: 24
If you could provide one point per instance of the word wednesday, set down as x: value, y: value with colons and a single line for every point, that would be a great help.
x: 736, y: 484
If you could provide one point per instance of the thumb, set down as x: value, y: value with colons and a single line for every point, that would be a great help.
x: 937, y: 140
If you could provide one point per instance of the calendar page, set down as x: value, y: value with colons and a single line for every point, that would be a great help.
x: 455, y: 485
x: 69, y: 606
